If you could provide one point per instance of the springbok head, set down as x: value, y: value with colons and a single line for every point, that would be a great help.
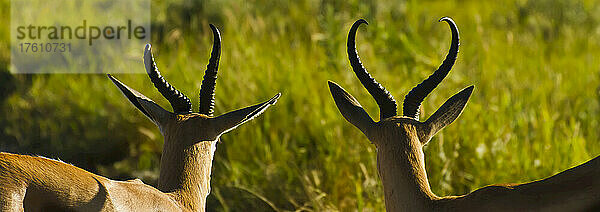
x: 391, y: 125
x: 399, y: 139
x: 183, y: 122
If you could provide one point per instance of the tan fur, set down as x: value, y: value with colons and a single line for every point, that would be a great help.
x: 39, y: 184
x: 187, y: 162
x: 401, y: 165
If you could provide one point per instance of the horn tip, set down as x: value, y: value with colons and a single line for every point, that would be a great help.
x: 214, y: 28
x: 361, y: 21
x: 147, y: 50
x: 216, y: 33
x: 446, y: 19
x: 148, y: 58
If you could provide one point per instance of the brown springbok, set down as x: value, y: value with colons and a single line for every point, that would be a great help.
x: 401, y: 163
x: 39, y: 184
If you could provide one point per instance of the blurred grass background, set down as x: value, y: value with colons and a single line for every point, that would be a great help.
x: 535, y: 110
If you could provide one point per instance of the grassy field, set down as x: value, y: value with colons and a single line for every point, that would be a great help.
x: 535, y: 110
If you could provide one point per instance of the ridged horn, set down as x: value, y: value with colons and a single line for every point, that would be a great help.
x: 207, y: 90
x: 181, y: 104
x: 385, y: 100
x: 414, y: 98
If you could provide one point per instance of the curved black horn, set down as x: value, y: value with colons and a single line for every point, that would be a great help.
x: 180, y: 103
x: 385, y: 100
x: 207, y: 90
x: 414, y: 98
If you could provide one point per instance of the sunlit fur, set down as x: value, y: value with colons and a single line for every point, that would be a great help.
x: 39, y: 184
x: 401, y: 165
x: 401, y: 161
x: 185, y: 168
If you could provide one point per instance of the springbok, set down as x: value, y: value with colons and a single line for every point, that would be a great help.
x: 401, y: 163
x: 39, y: 184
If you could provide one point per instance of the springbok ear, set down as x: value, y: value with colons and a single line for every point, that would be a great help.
x: 154, y: 112
x: 349, y: 107
x: 229, y: 121
x: 445, y: 115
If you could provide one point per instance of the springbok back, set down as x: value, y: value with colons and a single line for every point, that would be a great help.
x: 401, y: 162
x: 40, y: 184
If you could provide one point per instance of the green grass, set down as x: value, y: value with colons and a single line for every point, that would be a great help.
x: 535, y: 110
